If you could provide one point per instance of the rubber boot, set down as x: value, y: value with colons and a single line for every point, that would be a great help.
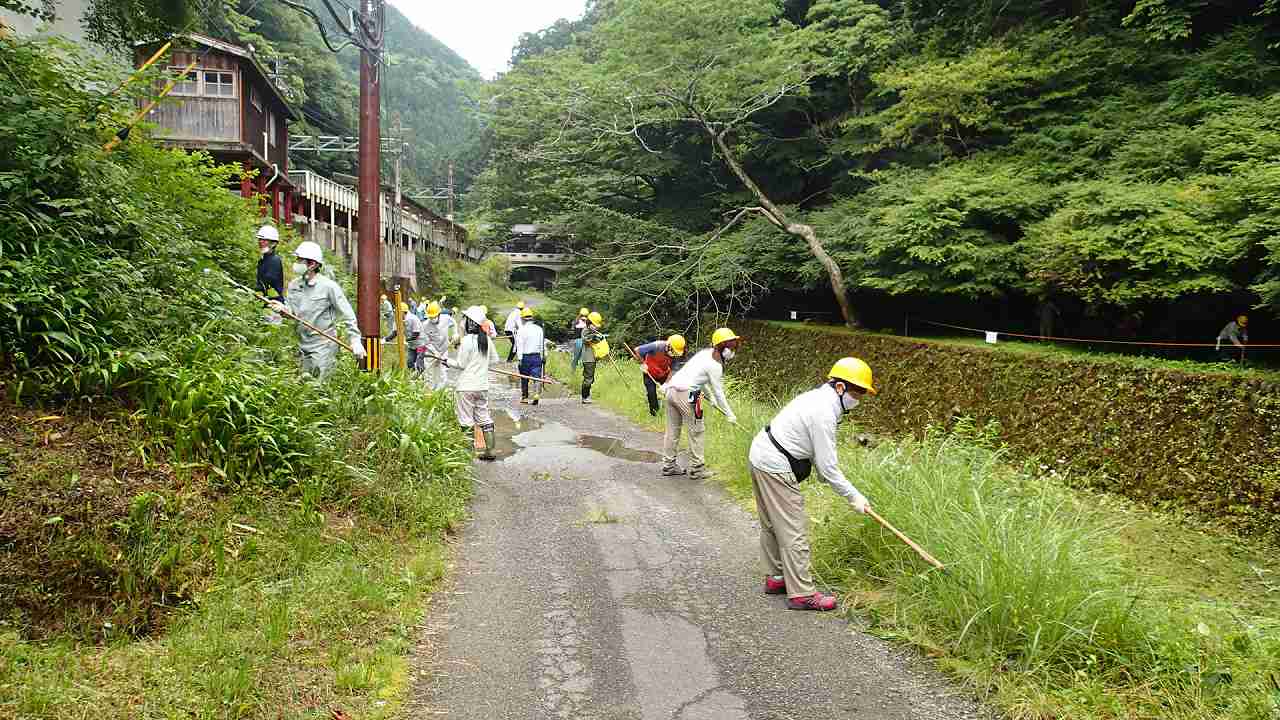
x: 487, y: 454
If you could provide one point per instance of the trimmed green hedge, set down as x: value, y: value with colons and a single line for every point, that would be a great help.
x: 1201, y: 441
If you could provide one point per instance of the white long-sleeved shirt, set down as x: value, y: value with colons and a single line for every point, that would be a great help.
x: 703, y: 372
x: 806, y: 427
x: 473, y: 375
x: 530, y: 340
x: 513, y: 321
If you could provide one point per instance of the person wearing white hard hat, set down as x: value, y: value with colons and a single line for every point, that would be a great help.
x: 388, y: 316
x: 319, y: 301
x: 475, y: 355
x: 270, y: 266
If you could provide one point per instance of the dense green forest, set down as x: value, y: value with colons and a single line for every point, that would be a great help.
x: 953, y: 157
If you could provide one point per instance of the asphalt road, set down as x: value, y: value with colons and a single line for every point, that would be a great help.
x: 589, y: 586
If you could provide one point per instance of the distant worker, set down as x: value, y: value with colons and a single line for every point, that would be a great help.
x: 801, y: 436
x: 530, y: 344
x: 1237, y: 334
x: 703, y: 372
x: 659, y: 359
x: 471, y: 400
x: 414, y: 342
x: 512, y: 327
x: 576, y: 325
x: 437, y: 331
x: 594, y: 347
x: 388, y: 315
x: 319, y: 301
x: 1048, y: 315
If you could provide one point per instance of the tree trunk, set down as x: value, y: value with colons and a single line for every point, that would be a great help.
x: 799, y: 230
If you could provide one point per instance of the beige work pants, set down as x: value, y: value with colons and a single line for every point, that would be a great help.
x: 784, y: 529
x: 680, y: 413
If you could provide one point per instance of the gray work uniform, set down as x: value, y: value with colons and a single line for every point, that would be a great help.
x: 435, y: 337
x: 323, y: 304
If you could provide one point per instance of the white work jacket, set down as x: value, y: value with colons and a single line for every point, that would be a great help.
x: 473, y: 375
x: 806, y: 428
x: 704, y: 373
x: 530, y: 340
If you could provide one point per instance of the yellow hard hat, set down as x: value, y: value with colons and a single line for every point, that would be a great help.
x: 520, y: 305
x: 404, y: 307
x: 526, y: 313
x: 853, y: 371
x: 675, y: 345
x: 596, y: 319
x: 723, y: 335
x: 433, y: 309
x: 1242, y: 321
x: 583, y: 312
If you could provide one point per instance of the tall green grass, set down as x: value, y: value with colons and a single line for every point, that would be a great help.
x: 1039, y: 607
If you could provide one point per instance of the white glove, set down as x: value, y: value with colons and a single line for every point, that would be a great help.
x: 277, y: 306
x: 357, y: 347
x: 859, y: 503
x: 733, y: 419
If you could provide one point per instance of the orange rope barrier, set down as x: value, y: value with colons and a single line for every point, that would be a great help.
x: 1250, y: 346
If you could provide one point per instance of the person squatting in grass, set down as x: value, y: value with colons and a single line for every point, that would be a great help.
x: 595, y: 347
x: 436, y: 331
x: 684, y: 403
x: 530, y: 344
x: 800, y: 436
x: 659, y: 359
x: 318, y: 300
x: 471, y: 399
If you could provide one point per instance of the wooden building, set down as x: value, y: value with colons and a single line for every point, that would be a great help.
x: 227, y: 106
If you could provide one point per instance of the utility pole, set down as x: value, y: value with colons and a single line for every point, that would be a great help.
x: 453, y: 234
x: 369, y: 255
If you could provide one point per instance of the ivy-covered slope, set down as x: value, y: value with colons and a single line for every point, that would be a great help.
x: 1201, y: 441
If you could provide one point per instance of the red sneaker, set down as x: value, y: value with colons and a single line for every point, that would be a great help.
x: 774, y: 586
x: 816, y: 601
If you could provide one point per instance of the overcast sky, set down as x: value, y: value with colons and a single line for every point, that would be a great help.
x: 484, y: 31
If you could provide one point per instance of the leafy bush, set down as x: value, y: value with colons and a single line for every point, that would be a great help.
x: 99, y: 257
x: 1201, y: 441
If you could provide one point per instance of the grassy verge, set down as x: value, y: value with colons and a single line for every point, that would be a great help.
x: 171, y: 591
x: 1057, y: 603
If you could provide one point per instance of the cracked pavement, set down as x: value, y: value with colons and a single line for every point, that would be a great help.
x: 589, y: 586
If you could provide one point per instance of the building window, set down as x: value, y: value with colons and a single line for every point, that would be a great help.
x: 189, y: 85
x: 271, y: 128
x: 219, y: 84
x: 255, y: 98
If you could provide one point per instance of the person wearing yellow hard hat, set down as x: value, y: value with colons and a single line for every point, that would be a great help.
x: 1236, y: 335
x: 530, y: 344
x: 413, y: 340
x: 594, y: 347
x: 577, y: 325
x: 799, y: 439
x: 437, y: 330
x: 703, y: 373
x: 659, y: 359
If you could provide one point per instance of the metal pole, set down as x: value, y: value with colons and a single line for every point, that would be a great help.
x: 370, y: 159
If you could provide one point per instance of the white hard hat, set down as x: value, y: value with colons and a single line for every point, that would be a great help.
x: 308, y: 250
x: 475, y: 314
x: 269, y: 232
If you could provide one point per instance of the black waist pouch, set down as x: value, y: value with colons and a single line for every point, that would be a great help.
x: 800, y: 468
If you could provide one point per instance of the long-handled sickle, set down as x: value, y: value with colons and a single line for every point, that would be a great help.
x: 910, y: 543
x: 289, y: 315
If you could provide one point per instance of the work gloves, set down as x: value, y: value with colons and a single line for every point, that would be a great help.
x: 859, y: 503
x: 277, y: 307
x: 357, y: 348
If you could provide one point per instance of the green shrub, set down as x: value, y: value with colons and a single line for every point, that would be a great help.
x: 1202, y: 441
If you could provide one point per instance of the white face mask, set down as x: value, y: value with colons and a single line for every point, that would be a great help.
x: 848, y: 401
x: 264, y: 249
x: 726, y: 354
x: 299, y: 268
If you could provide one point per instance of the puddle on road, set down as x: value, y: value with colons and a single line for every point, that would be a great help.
x: 533, y: 433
